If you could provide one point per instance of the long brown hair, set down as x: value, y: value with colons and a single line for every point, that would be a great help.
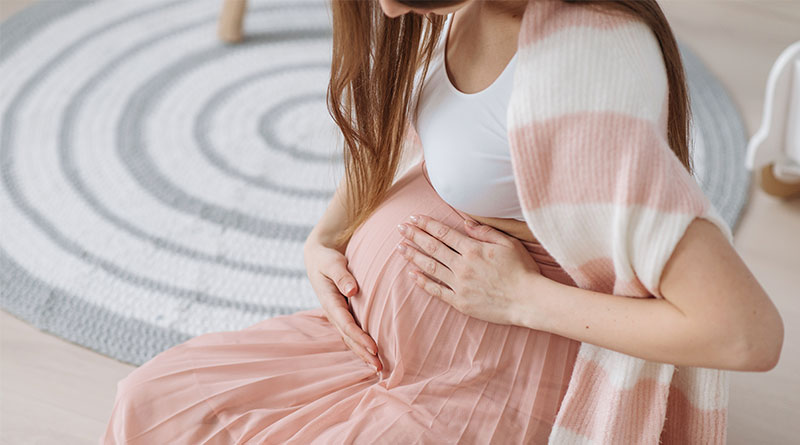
x: 374, y: 62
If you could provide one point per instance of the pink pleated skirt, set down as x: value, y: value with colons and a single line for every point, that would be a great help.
x: 447, y: 377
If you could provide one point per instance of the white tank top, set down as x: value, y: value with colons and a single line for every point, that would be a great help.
x: 465, y: 142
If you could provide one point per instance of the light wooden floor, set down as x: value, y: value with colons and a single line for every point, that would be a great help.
x: 53, y: 391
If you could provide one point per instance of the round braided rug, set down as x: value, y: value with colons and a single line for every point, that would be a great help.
x: 158, y: 184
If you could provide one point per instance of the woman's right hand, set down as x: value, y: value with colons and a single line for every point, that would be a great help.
x: 327, y: 270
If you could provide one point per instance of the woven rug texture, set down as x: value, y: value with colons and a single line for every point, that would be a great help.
x: 157, y: 183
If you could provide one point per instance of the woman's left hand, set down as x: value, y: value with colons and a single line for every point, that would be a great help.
x: 481, y: 274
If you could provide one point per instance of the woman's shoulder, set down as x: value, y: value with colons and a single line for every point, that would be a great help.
x: 549, y: 19
x: 569, y: 27
x: 589, y: 57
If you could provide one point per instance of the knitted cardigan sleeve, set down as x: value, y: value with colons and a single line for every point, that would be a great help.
x: 606, y: 196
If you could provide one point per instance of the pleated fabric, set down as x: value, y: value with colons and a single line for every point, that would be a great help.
x: 447, y: 377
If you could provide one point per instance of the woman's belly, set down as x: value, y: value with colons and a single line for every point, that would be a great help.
x: 436, y: 352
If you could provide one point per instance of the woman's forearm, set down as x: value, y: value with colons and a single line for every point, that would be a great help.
x: 334, y: 219
x: 649, y: 328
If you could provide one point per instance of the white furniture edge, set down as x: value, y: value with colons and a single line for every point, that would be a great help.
x: 782, y: 105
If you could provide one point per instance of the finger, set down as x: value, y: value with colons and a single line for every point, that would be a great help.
x: 348, y: 329
x: 426, y: 263
x: 485, y: 232
x: 362, y: 353
x: 335, y: 307
x: 343, y: 279
x: 353, y: 344
x: 345, y: 322
x: 446, y: 234
x: 437, y: 290
x: 357, y: 350
x: 431, y: 245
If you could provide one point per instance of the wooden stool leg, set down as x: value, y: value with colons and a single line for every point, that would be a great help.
x: 776, y: 187
x: 230, y: 20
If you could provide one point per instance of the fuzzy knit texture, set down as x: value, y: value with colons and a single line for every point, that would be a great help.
x: 604, y: 194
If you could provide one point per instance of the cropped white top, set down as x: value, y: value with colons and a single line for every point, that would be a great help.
x: 465, y: 143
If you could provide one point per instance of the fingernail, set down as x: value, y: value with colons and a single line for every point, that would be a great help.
x: 471, y: 223
x: 349, y: 288
x: 414, y: 219
x: 401, y: 228
x: 401, y: 248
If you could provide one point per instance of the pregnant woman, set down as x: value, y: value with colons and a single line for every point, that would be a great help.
x: 535, y: 116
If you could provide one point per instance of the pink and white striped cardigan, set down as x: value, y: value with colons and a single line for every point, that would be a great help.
x: 605, y: 195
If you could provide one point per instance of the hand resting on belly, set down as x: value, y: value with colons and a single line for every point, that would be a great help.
x: 512, y: 227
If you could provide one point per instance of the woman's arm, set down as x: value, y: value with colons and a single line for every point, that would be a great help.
x: 333, y: 221
x: 714, y: 313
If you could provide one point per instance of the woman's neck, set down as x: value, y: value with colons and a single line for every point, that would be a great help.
x: 510, y: 9
x: 486, y: 26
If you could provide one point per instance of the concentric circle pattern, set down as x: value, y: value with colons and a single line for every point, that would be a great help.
x: 158, y: 184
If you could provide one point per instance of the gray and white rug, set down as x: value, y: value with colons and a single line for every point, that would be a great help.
x: 158, y: 184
